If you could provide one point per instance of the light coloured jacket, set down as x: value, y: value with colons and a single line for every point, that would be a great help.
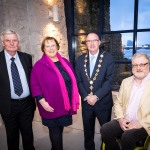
x: 121, y: 103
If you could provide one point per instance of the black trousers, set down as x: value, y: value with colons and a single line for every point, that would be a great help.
x: 56, y: 137
x: 89, y: 114
x: 20, y: 121
x: 129, y: 138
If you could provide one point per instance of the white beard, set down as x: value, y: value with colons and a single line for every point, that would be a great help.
x: 140, y: 75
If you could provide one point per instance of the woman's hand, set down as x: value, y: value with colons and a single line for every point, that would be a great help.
x: 45, y: 105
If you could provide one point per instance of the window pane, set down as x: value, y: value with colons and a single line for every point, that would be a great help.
x: 144, y: 14
x: 121, y: 14
x: 143, y: 44
x: 127, y: 42
x: 121, y: 45
x: 79, y: 45
x: 122, y: 71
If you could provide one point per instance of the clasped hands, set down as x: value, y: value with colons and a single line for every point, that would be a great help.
x: 127, y: 125
x: 91, y: 99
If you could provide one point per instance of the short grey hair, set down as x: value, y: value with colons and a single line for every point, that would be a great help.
x: 137, y: 55
x: 9, y: 31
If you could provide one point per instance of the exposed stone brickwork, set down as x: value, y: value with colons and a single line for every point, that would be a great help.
x: 86, y: 20
x: 30, y: 19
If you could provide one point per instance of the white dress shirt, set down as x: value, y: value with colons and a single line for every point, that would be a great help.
x: 21, y: 71
x: 96, y: 55
x: 135, y: 98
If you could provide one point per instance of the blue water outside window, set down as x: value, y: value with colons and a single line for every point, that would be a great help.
x: 125, y: 24
x: 143, y: 42
x: 127, y: 45
x: 128, y: 32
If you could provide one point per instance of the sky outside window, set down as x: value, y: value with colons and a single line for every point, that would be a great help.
x: 144, y: 14
x: 143, y: 38
x: 121, y: 14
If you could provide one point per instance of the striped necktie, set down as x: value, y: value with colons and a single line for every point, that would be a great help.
x: 16, y: 78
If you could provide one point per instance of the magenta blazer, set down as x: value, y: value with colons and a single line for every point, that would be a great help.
x: 45, y: 81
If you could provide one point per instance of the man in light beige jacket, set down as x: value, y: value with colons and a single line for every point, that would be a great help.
x: 131, y: 108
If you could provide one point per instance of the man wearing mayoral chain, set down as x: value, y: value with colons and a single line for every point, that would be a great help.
x: 94, y: 71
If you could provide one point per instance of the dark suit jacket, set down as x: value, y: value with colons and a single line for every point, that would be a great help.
x: 5, y: 94
x: 102, y: 85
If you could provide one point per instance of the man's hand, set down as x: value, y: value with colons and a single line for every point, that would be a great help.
x: 123, y: 123
x: 127, y: 125
x: 134, y: 125
x: 91, y: 99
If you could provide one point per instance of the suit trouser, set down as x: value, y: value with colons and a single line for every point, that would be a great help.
x: 19, y: 120
x: 89, y: 114
x: 129, y: 138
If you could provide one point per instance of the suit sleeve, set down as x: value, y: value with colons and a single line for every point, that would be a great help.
x: 118, y: 103
x: 34, y: 82
x: 78, y: 70
x: 31, y: 60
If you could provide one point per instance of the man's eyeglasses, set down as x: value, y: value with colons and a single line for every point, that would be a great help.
x: 90, y: 41
x: 9, y: 41
x: 140, y: 65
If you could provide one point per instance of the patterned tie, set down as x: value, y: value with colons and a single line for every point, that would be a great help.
x: 16, y: 78
x: 92, y: 64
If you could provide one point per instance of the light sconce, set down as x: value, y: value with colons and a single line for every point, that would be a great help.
x: 53, y: 13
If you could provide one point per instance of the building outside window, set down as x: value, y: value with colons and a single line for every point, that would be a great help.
x: 129, y: 21
x: 123, y: 24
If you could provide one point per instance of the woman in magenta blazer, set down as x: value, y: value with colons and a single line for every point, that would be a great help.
x: 54, y: 87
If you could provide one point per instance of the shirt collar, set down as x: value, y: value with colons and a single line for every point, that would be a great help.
x: 8, y: 57
x: 96, y: 55
x: 143, y: 81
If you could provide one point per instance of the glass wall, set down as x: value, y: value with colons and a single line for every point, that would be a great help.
x: 124, y: 23
x: 129, y: 33
x: 143, y: 42
x: 121, y: 14
x: 144, y: 14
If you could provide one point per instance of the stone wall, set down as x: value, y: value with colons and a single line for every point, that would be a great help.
x: 30, y: 19
x: 87, y: 15
x: 88, y: 19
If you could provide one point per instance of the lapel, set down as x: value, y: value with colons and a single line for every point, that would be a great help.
x: 145, y: 93
x: 3, y: 69
x: 22, y: 61
x: 96, y: 64
x: 88, y: 65
x: 24, y: 64
x: 128, y: 91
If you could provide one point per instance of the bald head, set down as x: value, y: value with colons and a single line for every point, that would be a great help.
x: 93, y: 35
x: 93, y: 42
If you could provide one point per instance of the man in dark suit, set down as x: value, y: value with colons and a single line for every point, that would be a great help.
x: 16, y: 105
x: 94, y: 77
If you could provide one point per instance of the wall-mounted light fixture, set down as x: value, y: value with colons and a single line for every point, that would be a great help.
x: 53, y: 13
